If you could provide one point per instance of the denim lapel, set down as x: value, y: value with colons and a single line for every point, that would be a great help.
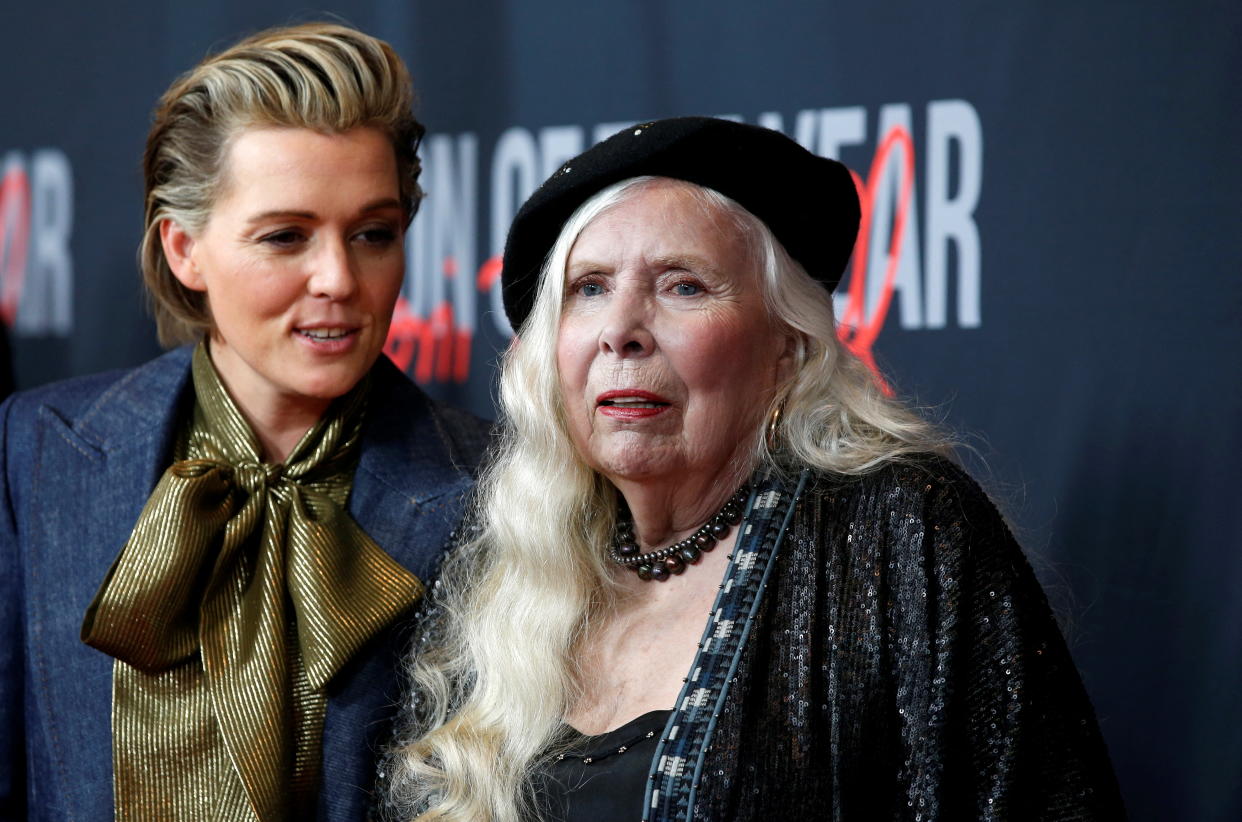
x: 408, y: 486
x: 96, y: 468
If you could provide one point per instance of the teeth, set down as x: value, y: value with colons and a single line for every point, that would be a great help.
x: 627, y: 403
x: 323, y: 333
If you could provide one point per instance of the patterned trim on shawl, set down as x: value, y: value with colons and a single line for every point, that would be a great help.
x: 678, y: 761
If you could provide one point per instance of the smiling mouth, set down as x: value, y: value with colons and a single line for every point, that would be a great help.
x: 325, y: 334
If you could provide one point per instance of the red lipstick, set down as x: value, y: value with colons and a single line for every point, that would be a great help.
x: 630, y: 404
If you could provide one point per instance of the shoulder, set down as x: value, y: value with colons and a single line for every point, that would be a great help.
x: 403, y: 419
x: 924, y: 480
x: 68, y: 398
x: 90, y: 404
x: 926, y: 528
x: 45, y: 432
x: 925, y: 503
x: 470, y: 436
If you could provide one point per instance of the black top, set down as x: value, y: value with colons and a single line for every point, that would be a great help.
x: 602, y: 778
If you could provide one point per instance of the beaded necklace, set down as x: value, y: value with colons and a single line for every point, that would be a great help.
x: 673, y: 559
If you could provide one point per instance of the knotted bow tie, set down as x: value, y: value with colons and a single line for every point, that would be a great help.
x: 224, y: 545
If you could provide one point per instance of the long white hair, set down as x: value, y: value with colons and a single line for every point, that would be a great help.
x: 492, y: 687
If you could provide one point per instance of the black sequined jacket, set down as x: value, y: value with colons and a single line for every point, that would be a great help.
x: 880, y: 650
x: 900, y: 662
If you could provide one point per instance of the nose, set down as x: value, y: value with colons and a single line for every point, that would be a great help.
x: 333, y: 275
x: 626, y: 329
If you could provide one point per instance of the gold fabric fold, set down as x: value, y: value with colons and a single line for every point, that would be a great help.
x: 242, y: 590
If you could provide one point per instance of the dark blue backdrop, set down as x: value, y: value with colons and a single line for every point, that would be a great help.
x: 1066, y: 288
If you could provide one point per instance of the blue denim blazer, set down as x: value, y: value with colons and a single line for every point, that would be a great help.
x: 79, y: 459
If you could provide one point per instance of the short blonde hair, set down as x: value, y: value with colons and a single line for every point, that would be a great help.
x: 321, y: 76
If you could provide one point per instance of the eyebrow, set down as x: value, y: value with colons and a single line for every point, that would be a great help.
x: 279, y: 213
x: 690, y: 261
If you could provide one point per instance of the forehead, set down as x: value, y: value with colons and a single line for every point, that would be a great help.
x: 262, y: 160
x: 663, y: 219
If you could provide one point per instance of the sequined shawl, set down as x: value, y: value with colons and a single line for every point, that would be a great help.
x: 880, y: 650
x: 902, y: 663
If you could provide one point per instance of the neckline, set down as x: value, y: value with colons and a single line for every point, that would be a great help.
x: 645, y: 726
x: 636, y: 721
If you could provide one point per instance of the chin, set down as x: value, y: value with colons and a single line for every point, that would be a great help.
x: 632, y: 466
x: 329, y: 386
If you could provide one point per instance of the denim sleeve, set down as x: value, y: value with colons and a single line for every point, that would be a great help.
x: 12, y: 666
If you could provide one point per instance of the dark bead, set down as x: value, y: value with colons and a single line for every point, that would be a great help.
x: 645, y: 571
x: 731, y: 514
x: 674, y: 564
x: 705, y: 541
x: 720, y: 530
x: 659, y: 573
x: 690, y: 554
x: 627, y: 549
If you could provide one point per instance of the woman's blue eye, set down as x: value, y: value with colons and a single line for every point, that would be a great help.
x: 590, y: 289
x: 684, y: 289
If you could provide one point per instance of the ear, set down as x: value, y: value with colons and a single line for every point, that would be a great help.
x: 788, y: 359
x: 179, y: 251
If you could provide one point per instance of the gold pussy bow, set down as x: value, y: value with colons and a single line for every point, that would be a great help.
x: 224, y: 547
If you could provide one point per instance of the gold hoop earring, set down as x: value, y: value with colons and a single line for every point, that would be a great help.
x: 774, y: 425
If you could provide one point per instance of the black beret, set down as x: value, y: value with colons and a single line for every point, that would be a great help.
x: 809, y: 202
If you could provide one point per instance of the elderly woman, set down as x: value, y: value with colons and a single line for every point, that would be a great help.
x: 714, y: 574
x: 233, y: 528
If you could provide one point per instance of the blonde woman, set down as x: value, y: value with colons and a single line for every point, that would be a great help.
x: 714, y: 573
x: 204, y: 558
